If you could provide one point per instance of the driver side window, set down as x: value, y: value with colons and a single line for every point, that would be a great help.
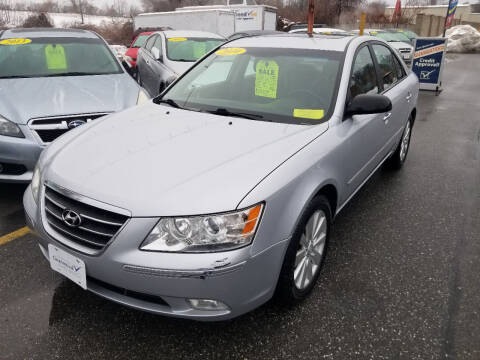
x: 364, y: 78
x: 149, y: 43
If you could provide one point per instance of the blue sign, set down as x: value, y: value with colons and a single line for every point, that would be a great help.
x: 428, y: 60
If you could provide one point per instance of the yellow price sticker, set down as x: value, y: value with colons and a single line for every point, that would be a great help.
x: 373, y: 32
x: 266, y: 79
x: 230, y: 51
x: 326, y: 33
x: 176, y: 39
x: 315, y: 114
x: 15, y: 41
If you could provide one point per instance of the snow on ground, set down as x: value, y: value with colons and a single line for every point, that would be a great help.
x: 463, y: 39
x: 16, y: 18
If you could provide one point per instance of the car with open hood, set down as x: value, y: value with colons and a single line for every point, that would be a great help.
x: 221, y: 192
x: 51, y: 81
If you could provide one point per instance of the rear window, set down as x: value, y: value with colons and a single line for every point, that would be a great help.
x: 140, y: 40
x: 55, y: 56
x: 190, y: 49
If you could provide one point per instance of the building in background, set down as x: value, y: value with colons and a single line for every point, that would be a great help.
x: 429, y: 20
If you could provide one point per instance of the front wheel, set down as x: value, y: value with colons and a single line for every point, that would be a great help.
x: 398, y: 158
x: 306, y: 253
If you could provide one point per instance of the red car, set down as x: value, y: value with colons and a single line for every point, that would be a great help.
x: 136, y: 44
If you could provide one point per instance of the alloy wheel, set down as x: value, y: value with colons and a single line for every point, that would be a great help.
x: 310, y: 250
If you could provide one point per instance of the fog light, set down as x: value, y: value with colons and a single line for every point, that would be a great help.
x: 205, y: 304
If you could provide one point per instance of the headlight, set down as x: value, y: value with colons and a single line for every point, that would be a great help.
x: 209, y: 233
x: 35, y: 185
x: 142, y: 97
x: 9, y: 128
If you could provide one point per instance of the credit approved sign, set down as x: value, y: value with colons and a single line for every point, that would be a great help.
x: 428, y: 62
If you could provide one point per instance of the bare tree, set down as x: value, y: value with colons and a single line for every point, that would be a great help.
x: 160, y: 5
x: 80, y: 7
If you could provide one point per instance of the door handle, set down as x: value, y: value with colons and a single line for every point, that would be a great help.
x: 409, y: 96
x: 386, y: 117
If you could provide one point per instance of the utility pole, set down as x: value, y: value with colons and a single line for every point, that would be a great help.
x: 311, y: 14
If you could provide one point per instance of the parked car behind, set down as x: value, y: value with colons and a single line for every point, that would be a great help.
x: 168, y: 54
x: 137, y: 43
x: 410, y: 35
x: 249, y: 33
x: 51, y: 81
x: 223, y: 190
x: 396, y: 40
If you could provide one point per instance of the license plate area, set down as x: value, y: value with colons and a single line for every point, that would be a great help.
x: 68, y: 265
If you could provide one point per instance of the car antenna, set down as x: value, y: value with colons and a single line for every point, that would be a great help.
x: 311, y: 13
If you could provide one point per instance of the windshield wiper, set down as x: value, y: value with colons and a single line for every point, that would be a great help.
x: 170, y: 102
x: 184, y: 60
x: 17, y: 77
x: 225, y: 112
x: 73, y: 73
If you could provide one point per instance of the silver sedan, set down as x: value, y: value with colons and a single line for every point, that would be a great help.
x: 221, y: 193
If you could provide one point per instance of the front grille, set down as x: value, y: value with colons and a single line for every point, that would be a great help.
x: 12, y: 169
x: 48, y: 129
x: 97, y: 227
x: 404, y: 50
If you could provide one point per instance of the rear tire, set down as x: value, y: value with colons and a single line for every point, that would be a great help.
x: 398, y: 158
x: 306, y: 253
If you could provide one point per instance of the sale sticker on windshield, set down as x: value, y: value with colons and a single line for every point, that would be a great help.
x: 315, y: 114
x: 176, y: 39
x: 55, y: 55
x: 15, y: 41
x: 230, y: 51
x: 266, y: 79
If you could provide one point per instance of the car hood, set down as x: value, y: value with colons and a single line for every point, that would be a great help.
x: 24, y: 99
x: 157, y: 161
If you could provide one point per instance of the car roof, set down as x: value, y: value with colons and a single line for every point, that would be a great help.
x: 47, y: 32
x: 190, y: 33
x: 294, y: 41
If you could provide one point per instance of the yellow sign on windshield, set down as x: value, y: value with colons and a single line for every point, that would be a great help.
x: 266, y: 79
x: 230, y: 51
x: 15, y: 41
x: 177, y: 39
x: 315, y: 114
x: 55, y: 55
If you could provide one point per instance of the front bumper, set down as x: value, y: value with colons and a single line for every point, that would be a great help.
x: 161, y: 283
x: 20, y: 152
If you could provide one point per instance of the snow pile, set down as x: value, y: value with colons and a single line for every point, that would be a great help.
x: 463, y: 39
x: 61, y: 20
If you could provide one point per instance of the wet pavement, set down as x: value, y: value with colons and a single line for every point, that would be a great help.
x: 401, y: 279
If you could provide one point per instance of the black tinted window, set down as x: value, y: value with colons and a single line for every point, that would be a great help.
x: 364, y: 79
x: 388, y: 68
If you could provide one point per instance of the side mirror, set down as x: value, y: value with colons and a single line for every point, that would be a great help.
x: 156, y: 54
x: 364, y: 104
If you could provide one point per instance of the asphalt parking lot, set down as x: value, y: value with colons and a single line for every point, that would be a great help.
x: 401, y: 279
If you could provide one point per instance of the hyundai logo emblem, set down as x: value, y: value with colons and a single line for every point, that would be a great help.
x: 75, y: 123
x: 71, y: 218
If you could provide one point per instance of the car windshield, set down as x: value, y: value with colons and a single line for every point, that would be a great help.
x: 391, y: 37
x: 140, y: 40
x: 190, y: 49
x: 55, y: 56
x: 410, y: 34
x: 281, y: 85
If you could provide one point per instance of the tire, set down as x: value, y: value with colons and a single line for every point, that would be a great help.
x: 398, y: 158
x: 290, y: 288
